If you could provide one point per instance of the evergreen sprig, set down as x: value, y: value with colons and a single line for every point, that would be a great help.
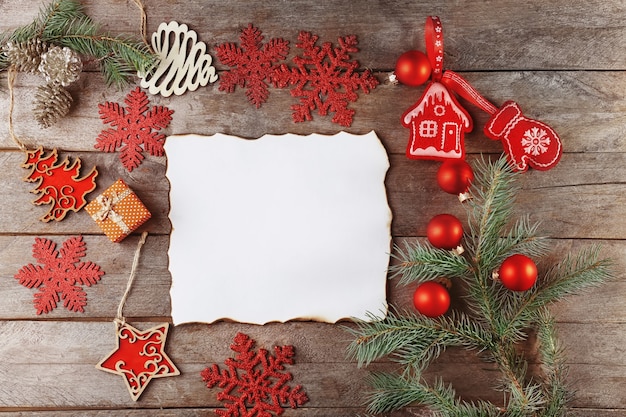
x: 64, y: 23
x: 497, y: 319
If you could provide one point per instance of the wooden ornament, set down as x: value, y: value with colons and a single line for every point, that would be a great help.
x: 139, y: 357
x: 184, y: 61
x: 58, y: 184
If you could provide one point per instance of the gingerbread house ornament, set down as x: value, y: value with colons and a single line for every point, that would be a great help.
x: 438, y: 124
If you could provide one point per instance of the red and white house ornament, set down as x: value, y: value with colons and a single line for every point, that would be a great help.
x: 438, y: 123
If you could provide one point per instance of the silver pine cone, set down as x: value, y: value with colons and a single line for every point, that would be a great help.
x: 52, y: 102
x: 25, y: 56
x: 60, y: 66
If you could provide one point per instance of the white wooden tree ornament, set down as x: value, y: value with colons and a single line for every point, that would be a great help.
x: 184, y: 62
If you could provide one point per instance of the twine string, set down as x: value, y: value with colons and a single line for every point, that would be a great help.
x: 11, y: 81
x: 144, y: 20
x: 119, y: 319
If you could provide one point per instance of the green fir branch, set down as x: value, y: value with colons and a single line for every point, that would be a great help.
x: 392, y: 392
x: 422, y: 263
x: 414, y: 340
x: 498, y: 319
x: 52, y: 18
x: 573, y: 276
x: 63, y: 23
x: 553, y: 363
x: 490, y: 209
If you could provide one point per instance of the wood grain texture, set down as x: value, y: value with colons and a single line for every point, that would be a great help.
x: 562, y: 61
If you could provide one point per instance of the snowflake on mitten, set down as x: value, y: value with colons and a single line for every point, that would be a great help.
x: 61, y: 274
x: 136, y: 126
x: 325, y: 78
x: 252, y: 64
x: 254, y: 383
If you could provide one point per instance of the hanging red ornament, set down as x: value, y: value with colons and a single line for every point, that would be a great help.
x: 445, y: 231
x: 431, y: 299
x: 455, y: 177
x: 413, y: 68
x: 517, y: 273
x: 437, y: 122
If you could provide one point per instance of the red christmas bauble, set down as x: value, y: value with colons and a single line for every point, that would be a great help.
x: 518, y: 273
x: 413, y: 68
x: 455, y: 176
x: 444, y: 231
x: 431, y: 299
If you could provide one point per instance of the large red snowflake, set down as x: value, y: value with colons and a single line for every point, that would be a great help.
x: 61, y: 272
x: 135, y: 126
x: 254, y: 383
x: 325, y: 78
x: 252, y: 64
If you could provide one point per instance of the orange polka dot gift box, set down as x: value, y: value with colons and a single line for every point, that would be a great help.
x: 118, y: 211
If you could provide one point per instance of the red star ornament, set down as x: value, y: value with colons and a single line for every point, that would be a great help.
x: 139, y: 357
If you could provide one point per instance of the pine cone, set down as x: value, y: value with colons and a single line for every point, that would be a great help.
x: 60, y: 66
x: 52, y: 102
x: 25, y: 56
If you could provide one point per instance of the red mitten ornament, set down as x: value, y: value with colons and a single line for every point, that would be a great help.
x: 527, y: 142
x: 437, y: 121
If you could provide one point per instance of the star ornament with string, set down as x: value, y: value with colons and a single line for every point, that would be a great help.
x: 139, y: 357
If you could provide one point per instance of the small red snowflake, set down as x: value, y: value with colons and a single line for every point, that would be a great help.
x: 325, y: 78
x: 252, y: 64
x: 58, y: 277
x: 254, y: 383
x: 135, y: 126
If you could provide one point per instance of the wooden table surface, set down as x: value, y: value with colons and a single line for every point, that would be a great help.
x: 563, y: 61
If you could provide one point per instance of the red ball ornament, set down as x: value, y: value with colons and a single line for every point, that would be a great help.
x: 444, y: 231
x: 431, y: 299
x: 413, y: 68
x: 518, y: 273
x: 455, y: 176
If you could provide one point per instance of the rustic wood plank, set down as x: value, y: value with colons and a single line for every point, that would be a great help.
x: 487, y: 35
x: 149, y: 296
x: 300, y: 412
x: 21, y: 216
x: 596, y: 194
x: 54, y: 386
x: 560, y: 60
x: 587, y: 109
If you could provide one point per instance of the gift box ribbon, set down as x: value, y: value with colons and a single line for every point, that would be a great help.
x: 107, y: 212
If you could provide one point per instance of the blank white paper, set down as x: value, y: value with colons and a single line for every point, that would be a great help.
x: 278, y: 228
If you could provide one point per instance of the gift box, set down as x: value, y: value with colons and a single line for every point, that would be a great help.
x: 118, y: 211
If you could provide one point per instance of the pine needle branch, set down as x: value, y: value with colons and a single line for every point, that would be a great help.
x: 497, y: 320
x: 423, y: 263
x: 414, y: 340
x: 553, y: 358
x: 64, y: 23
x: 490, y: 209
x: 392, y: 392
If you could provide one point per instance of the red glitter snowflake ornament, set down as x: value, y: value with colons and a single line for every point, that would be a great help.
x: 58, y: 277
x: 252, y: 64
x: 325, y: 79
x: 135, y: 126
x: 254, y: 383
